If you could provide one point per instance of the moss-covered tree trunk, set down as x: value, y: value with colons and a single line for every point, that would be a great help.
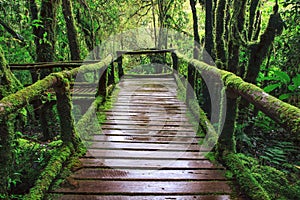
x: 46, y: 33
x: 209, y: 44
x: 225, y: 55
x: 71, y: 29
x: 259, y: 51
x: 220, y: 34
x: 8, y: 85
x: 45, y: 51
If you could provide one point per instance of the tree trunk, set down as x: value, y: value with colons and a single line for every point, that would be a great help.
x: 259, y: 51
x: 196, y: 32
x: 45, y: 51
x: 208, y: 55
x: 209, y: 44
x: 252, y: 15
x: 46, y: 34
x: 219, y: 33
x: 34, y: 16
x: 71, y: 30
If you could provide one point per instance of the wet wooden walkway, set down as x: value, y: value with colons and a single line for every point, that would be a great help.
x: 147, y: 150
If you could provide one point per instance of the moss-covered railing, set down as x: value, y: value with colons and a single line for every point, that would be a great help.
x: 286, y: 115
x: 60, y: 82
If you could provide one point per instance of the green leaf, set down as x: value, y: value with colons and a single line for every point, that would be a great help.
x: 296, y: 80
x: 271, y: 87
x: 284, y: 77
x: 296, y: 83
x: 284, y: 96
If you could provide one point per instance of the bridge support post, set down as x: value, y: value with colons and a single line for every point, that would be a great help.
x: 102, y: 85
x: 175, y: 62
x: 64, y: 108
x: 120, y: 63
x: 227, y: 142
x: 111, y: 74
x: 190, y: 84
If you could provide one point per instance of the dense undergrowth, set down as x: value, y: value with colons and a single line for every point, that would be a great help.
x: 30, y: 158
x: 271, y: 156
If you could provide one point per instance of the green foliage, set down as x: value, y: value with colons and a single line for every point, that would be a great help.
x: 281, y: 81
x: 267, y: 142
x: 277, y: 184
x: 16, y: 15
x: 30, y: 158
x: 280, y: 73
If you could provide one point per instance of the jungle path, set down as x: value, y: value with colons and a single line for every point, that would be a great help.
x: 147, y: 150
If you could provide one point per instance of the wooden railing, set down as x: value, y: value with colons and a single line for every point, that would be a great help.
x: 60, y: 82
x: 286, y: 115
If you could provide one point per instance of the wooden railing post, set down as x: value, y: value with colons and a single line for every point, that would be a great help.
x: 120, y: 67
x: 111, y: 75
x: 191, y: 83
x: 175, y: 62
x: 64, y: 108
x: 102, y: 85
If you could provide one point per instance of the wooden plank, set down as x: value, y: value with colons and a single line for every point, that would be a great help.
x: 153, y: 107
x: 146, y: 154
x: 144, y: 139
x: 151, y: 101
x: 165, y: 111
x: 138, y: 118
x: 148, y: 164
x: 176, y: 115
x: 149, y: 175
x: 143, y: 103
x: 146, y: 51
x: 142, y: 146
x: 132, y: 94
x: 148, y: 197
x: 148, y: 123
x: 145, y: 127
x: 134, y: 119
x: 148, y: 187
x: 142, y: 133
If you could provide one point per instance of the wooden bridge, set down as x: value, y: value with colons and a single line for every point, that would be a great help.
x: 147, y: 148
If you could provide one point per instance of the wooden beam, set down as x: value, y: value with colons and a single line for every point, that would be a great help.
x: 147, y: 51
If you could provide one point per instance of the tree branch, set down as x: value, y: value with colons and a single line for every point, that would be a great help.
x: 12, y: 32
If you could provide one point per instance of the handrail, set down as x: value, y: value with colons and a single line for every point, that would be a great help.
x: 49, y: 65
x: 60, y: 82
x: 283, y: 113
x: 13, y: 102
x: 145, y: 51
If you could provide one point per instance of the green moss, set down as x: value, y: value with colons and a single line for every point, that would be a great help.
x: 276, y: 183
x: 50, y: 172
x: 244, y: 177
x: 211, y: 156
x: 255, y: 179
